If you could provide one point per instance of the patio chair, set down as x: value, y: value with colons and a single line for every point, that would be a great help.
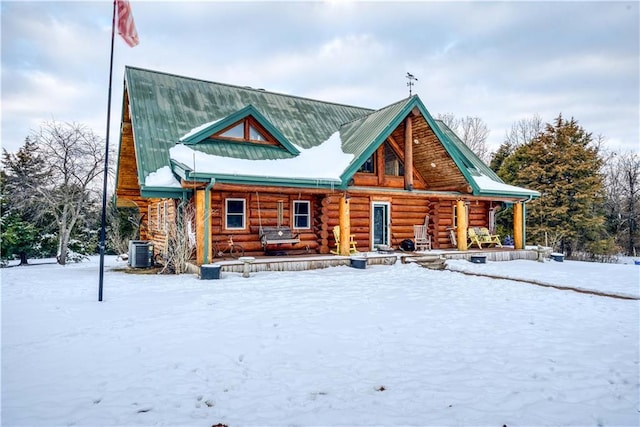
x: 481, y: 235
x: 421, y: 238
x: 352, y: 241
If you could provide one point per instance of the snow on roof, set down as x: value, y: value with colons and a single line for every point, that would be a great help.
x: 488, y: 184
x: 163, y: 177
x: 197, y: 129
x: 326, y: 161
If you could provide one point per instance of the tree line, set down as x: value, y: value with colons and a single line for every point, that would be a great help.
x: 50, y: 195
x: 588, y: 209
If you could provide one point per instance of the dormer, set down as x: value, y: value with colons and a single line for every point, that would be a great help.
x: 245, y: 126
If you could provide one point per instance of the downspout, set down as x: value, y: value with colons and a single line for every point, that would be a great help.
x: 207, y: 219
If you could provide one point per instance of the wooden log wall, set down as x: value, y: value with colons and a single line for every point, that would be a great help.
x: 128, y: 187
x: 262, y: 208
x: 440, y: 234
x: 478, y: 214
x: 156, y: 230
x: 406, y: 211
x: 442, y: 220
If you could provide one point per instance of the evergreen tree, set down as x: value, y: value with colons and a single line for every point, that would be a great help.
x: 17, y: 237
x: 504, y: 151
x: 563, y: 164
x: 19, y: 233
x: 54, y: 175
x: 22, y: 171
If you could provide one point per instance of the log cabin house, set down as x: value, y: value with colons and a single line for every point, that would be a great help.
x: 248, y: 159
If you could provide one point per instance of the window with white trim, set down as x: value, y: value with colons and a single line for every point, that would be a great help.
x: 235, y: 214
x: 301, y: 214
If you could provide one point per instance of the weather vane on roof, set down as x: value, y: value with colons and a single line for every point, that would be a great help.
x: 410, y: 83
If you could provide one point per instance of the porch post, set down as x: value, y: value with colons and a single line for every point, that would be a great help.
x: 518, y: 226
x: 203, y: 228
x: 461, y: 228
x: 345, y: 226
x: 408, y: 153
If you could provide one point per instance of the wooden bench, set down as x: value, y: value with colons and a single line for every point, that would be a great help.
x: 481, y: 235
x: 277, y: 236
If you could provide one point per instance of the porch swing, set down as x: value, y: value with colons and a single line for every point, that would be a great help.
x: 277, y: 235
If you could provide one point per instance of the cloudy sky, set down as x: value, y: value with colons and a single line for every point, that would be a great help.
x: 500, y: 61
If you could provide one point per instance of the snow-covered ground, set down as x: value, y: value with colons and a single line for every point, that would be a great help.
x: 389, y: 345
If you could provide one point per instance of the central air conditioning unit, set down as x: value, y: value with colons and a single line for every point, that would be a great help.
x: 140, y: 254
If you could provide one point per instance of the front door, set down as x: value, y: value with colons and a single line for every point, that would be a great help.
x: 380, y: 224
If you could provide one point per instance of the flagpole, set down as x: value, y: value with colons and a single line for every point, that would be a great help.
x: 106, y: 161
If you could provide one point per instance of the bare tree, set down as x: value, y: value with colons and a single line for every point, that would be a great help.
x: 473, y: 131
x: 622, y: 186
x: 72, y: 159
x: 450, y: 120
x: 523, y: 131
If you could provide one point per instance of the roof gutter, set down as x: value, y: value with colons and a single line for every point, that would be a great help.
x: 495, y: 193
x: 164, y: 192
x: 527, y: 200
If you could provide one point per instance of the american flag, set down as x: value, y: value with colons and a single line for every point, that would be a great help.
x: 126, y: 26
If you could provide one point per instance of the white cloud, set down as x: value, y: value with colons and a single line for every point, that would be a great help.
x: 498, y: 61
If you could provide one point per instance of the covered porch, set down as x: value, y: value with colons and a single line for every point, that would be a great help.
x: 313, y: 262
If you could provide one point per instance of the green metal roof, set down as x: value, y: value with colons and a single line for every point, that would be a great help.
x: 363, y: 136
x: 374, y: 130
x: 471, y: 161
x: 164, y: 107
x: 475, y: 169
x: 202, y: 133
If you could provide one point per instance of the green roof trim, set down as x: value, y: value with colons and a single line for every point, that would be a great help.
x: 167, y: 109
x: 363, y: 136
x: 164, y: 107
x: 474, y: 167
x: 395, y: 114
x: 188, y: 174
x: 164, y: 192
x: 203, y: 132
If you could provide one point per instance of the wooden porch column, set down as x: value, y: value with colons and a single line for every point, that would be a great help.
x: 518, y: 226
x: 203, y: 229
x: 345, y: 226
x: 408, y: 153
x: 461, y: 228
